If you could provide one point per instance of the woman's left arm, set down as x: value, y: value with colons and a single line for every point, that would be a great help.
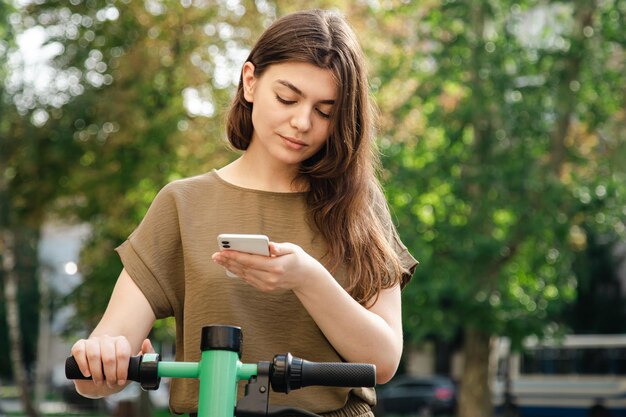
x: 372, y: 335
x: 359, y: 334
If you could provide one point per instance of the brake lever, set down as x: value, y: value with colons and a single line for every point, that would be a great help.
x: 256, y: 396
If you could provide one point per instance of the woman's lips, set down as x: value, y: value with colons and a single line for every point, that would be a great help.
x: 293, y: 143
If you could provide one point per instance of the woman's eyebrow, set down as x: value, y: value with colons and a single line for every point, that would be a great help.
x: 300, y: 92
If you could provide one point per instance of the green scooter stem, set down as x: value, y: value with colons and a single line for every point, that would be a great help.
x: 218, y: 383
x: 218, y: 371
x: 215, y: 397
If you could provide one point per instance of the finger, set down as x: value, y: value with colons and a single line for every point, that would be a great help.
x: 229, y: 254
x: 261, y: 281
x: 146, y: 347
x: 251, y: 281
x: 223, y: 259
x: 94, y: 360
x: 233, y: 264
x: 228, y: 264
x: 109, y: 360
x: 122, y: 353
x: 79, y: 352
x: 239, y: 257
x: 279, y: 249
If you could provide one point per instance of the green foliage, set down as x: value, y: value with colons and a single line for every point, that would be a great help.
x: 25, y: 236
x: 502, y: 128
x: 130, y: 67
x: 498, y: 150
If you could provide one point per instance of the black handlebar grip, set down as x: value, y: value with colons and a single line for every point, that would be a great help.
x: 338, y: 374
x: 289, y: 373
x: 72, y: 371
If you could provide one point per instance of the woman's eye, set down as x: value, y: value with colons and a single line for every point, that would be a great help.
x: 282, y: 100
x: 289, y: 102
x: 324, y: 115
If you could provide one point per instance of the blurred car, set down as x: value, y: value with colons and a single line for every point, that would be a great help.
x: 424, y: 396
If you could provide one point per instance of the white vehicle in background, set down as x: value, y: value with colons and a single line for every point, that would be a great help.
x: 576, y: 376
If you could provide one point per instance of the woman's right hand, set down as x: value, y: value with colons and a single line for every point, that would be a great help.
x: 105, y: 359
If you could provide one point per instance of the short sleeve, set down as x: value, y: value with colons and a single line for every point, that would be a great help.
x: 152, y: 255
x: 408, y: 262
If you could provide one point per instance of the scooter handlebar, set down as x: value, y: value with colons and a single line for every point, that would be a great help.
x: 289, y: 373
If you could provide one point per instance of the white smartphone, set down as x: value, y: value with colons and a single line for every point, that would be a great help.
x: 254, y: 244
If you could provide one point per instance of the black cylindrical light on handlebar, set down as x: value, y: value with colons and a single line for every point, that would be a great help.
x: 149, y: 371
x: 289, y: 373
x: 286, y: 375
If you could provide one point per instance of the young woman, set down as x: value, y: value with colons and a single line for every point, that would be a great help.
x: 330, y: 291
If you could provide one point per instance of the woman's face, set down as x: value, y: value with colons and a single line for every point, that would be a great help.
x: 292, y: 105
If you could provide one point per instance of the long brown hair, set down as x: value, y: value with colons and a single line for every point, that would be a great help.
x: 345, y: 199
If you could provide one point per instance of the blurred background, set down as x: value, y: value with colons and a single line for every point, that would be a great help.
x: 502, y: 133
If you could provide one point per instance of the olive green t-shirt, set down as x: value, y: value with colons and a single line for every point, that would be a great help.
x: 169, y: 258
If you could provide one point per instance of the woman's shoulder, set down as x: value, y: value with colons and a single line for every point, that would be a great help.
x: 193, y: 183
x: 192, y: 189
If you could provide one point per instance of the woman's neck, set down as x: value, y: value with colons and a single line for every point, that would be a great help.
x: 248, y: 172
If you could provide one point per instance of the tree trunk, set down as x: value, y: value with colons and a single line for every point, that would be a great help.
x: 475, y: 394
x: 43, y: 339
x: 7, y: 244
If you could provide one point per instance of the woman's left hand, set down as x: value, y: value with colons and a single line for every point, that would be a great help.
x: 287, y: 267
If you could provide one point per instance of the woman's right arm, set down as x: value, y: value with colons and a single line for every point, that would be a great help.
x: 121, y: 332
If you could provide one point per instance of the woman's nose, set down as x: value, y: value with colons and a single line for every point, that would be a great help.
x: 301, y: 119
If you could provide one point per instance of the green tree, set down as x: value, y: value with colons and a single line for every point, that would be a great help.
x: 494, y: 124
x: 17, y: 236
x: 498, y: 151
x: 147, y: 87
x: 110, y: 129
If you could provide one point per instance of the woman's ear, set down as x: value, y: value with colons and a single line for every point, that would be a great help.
x: 249, y: 80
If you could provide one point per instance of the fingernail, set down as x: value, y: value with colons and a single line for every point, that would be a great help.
x: 121, y: 382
